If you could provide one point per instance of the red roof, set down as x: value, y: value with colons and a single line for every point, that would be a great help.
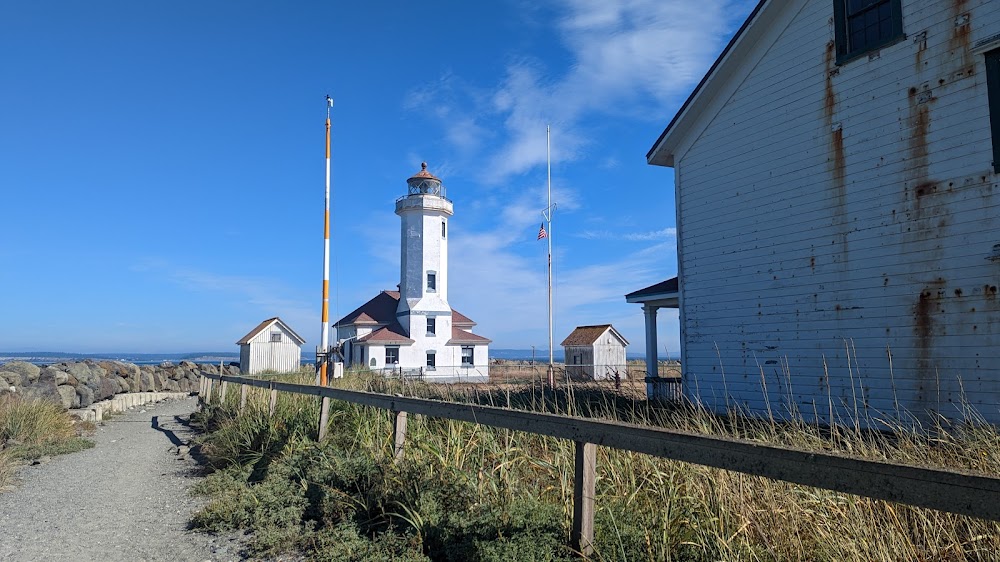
x: 379, y: 310
x: 461, y: 336
x: 389, y: 334
x: 459, y: 319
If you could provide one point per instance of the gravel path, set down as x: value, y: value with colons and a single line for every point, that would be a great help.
x: 124, y: 500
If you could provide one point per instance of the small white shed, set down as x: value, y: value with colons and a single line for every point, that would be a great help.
x: 597, y: 352
x: 271, y: 346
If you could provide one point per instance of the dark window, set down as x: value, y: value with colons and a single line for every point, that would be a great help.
x: 430, y: 361
x: 467, y: 355
x: 276, y: 337
x: 391, y: 356
x: 431, y: 281
x: 431, y: 325
x: 863, y: 26
x: 993, y: 85
x: 444, y: 229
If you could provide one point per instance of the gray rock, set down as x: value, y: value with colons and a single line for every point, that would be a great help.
x: 10, y: 378
x: 146, y: 382
x: 124, y: 384
x: 69, y: 397
x: 86, y: 395
x: 171, y: 385
x: 51, y: 374
x: 43, y: 391
x: 29, y: 373
x: 108, y: 388
x: 82, y: 373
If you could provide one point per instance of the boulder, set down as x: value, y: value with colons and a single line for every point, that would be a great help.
x: 86, y: 395
x: 43, y: 391
x: 70, y: 399
x: 51, y: 374
x: 29, y: 373
x: 108, y: 387
x: 124, y: 384
x: 11, y: 378
x: 82, y: 373
x: 146, y: 382
x: 171, y: 385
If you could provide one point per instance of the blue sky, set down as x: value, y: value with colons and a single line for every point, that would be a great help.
x: 163, y: 172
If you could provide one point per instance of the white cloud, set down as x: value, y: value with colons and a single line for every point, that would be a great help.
x: 668, y: 233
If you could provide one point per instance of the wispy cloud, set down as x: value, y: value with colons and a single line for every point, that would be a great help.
x: 662, y: 234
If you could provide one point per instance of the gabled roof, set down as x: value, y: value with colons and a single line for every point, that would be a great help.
x: 267, y: 324
x: 459, y: 336
x: 379, y: 310
x: 391, y: 334
x: 587, y: 335
x: 661, y: 155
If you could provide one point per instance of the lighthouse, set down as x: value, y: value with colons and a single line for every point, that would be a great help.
x: 414, y: 331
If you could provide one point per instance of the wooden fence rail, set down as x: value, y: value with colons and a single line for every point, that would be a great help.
x: 942, y: 489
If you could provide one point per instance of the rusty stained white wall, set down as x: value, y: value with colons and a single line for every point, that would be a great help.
x: 829, y: 213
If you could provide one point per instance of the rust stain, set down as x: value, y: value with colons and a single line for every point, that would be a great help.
x: 812, y: 263
x: 837, y: 161
x: 924, y: 309
x: 960, y: 41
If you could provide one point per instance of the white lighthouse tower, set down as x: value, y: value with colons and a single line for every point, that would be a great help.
x: 414, y: 331
x: 423, y: 309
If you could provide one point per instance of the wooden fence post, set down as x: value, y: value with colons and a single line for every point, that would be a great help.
x: 222, y: 399
x: 324, y: 417
x: 208, y: 391
x: 584, y: 481
x: 243, y: 396
x: 274, y: 401
x: 399, y: 433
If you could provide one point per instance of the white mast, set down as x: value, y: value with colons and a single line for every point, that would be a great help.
x: 548, y: 218
x: 325, y: 333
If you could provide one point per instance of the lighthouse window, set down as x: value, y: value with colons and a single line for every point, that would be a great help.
x: 444, y: 229
x: 431, y: 325
x: 431, y: 361
x: 467, y: 355
x: 391, y: 356
x: 431, y: 281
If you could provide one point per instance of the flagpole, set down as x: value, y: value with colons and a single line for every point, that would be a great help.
x: 548, y: 218
x: 325, y: 333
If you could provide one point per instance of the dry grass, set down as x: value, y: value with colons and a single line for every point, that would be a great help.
x: 31, y: 429
x: 657, y: 509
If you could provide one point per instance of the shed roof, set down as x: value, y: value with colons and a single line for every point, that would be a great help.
x: 267, y: 324
x: 763, y: 12
x: 587, y: 335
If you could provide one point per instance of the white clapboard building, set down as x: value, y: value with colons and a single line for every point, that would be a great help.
x: 838, y: 213
x: 414, y: 331
x: 270, y: 347
x: 596, y: 352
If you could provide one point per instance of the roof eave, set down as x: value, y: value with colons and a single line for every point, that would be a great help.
x: 662, y: 151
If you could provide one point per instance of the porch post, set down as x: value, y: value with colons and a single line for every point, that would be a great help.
x: 652, y: 358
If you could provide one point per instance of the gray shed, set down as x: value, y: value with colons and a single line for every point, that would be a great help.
x: 271, y: 346
x: 597, y: 352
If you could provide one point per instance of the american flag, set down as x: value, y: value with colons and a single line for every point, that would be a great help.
x: 541, y: 232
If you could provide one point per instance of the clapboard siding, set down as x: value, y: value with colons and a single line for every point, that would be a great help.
x: 831, y: 215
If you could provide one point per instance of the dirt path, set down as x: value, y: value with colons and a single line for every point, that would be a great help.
x: 124, y: 500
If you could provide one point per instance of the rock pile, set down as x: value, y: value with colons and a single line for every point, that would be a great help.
x: 80, y: 384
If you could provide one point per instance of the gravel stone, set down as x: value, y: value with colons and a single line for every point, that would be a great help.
x: 124, y: 500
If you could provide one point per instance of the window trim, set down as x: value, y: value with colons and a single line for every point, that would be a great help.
x: 276, y: 337
x: 431, y: 361
x: 993, y: 100
x: 431, y: 281
x: 395, y: 349
x: 431, y: 326
x: 472, y: 355
x: 841, y: 35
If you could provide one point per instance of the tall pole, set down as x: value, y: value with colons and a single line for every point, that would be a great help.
x: 324, y: 337
x: 548, y: 218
